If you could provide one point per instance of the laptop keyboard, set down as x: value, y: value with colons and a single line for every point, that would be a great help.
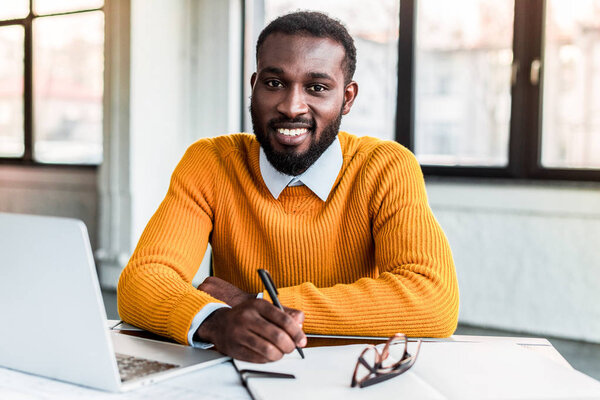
x: 131, y: 367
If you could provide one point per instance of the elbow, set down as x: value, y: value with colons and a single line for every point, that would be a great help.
x: 443, y: 315
x: 125, y: 294
x: 446, y: 322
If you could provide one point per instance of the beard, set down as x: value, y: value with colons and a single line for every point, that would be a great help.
x: 291, y: 163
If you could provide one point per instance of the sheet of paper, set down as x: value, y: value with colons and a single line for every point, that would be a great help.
x: 326, y: 373
x: 499, y: 371
x: 444, y: 370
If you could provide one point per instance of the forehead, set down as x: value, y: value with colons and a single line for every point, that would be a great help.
x: 300, y: 53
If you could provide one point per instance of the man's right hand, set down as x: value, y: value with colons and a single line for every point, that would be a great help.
x: 254, y: 331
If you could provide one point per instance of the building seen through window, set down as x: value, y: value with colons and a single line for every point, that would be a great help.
x: 571, y: 85
x: 463, y: 81
x: 51, y: 92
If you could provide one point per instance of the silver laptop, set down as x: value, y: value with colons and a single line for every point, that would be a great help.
x: 52, y: 318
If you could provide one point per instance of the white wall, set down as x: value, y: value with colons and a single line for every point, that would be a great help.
x: 184, y: 84
x: 181, y: 89
x: 158, y: 130
x: 527, y: 254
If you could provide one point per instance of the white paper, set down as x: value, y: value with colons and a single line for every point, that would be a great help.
x: 443, y: 370
x: 326, y: 373
x: 499, y: 371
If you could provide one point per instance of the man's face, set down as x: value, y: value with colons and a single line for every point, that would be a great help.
x: 298, y: 99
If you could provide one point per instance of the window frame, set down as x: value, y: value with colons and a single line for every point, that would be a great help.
x: 524, y: 150
x: 26, y: 22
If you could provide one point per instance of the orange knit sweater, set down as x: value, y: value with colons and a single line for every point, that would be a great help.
x: 371, y: 260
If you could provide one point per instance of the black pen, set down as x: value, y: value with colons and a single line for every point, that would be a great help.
x: 265, y: 277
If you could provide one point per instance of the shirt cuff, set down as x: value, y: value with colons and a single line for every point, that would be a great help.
x: 260, y: 295
x: 199, y: 318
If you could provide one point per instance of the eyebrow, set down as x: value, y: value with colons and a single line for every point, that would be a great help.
x: 272, y: 70
x: 320, y: 75
x: 313, y: 75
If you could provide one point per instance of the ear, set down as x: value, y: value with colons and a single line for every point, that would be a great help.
x: 350, y: 93
x: 252, y: 80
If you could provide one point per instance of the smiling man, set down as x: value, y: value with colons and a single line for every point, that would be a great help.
x: 341, y: 222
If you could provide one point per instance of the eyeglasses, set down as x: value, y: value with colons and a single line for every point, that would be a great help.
x: 394, y: 359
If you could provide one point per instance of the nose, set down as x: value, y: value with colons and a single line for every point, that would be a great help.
x: 293, y: 103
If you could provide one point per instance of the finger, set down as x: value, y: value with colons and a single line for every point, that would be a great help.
x: 245, y: 353
x: 275, y: 335
x: 283, y: 320
x: 211, y: 283
x: 297, y: 315
x: 261, y: 346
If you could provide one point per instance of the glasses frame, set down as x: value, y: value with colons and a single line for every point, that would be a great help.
x: 378, y: 373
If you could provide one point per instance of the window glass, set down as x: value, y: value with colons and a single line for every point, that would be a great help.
x: 41, y: 7
x: 571, y: 85
x: 374, y: 27
x: 463, y: 58
x: 13, y: 9
x: 68, y: 88
x: 11, y: 91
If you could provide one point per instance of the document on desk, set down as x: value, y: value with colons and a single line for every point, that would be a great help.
x: 443, y: 370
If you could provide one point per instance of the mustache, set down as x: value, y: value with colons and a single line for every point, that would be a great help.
x: 297, y: 120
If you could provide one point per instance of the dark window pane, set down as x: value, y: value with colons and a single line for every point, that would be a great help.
x: 571, y: 85
x: 462, y: 81
x: 68, y: 88
x: 11, y: 91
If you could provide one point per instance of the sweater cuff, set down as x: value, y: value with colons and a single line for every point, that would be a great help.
x: 182, y: 315
x: 206, y: 311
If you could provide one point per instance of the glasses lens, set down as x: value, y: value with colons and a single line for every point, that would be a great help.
x: 396, y: 354
x: 366, y: 364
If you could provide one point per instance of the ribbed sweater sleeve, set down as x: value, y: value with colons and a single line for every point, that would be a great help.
x: 416, y: 292
x: 155, y: 290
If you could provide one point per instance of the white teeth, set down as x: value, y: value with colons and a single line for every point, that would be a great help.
x: 292, y: 132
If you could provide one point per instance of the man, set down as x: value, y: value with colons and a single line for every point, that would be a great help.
x: 342, y: 223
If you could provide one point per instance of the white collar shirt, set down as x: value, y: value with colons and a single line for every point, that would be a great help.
x: 319, y: 177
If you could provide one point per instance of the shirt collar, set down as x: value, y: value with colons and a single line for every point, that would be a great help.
x: 319, y: 177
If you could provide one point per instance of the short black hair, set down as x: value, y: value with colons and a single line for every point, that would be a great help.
x: 316, y: 24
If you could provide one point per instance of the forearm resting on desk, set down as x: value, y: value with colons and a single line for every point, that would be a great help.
x: 407, y: 302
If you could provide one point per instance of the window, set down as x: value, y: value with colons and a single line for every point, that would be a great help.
x: 571, y: 99
x: 463, y: 57
x: 501, y: 88
x: 490, y: 88
x: 51, y: 81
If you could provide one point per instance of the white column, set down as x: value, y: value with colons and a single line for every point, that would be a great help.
x: 182, y: 83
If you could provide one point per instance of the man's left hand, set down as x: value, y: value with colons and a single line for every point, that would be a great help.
x: 224, y: 291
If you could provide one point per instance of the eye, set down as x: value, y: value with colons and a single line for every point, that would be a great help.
x: 273, y: 83
x: 317, y: 88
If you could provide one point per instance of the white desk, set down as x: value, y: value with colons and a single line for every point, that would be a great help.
x: 219, y: 382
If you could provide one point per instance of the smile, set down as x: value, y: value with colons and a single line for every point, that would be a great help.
x: 292, y: 132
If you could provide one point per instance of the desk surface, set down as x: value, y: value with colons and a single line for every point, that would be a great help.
x: 217, y: 382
